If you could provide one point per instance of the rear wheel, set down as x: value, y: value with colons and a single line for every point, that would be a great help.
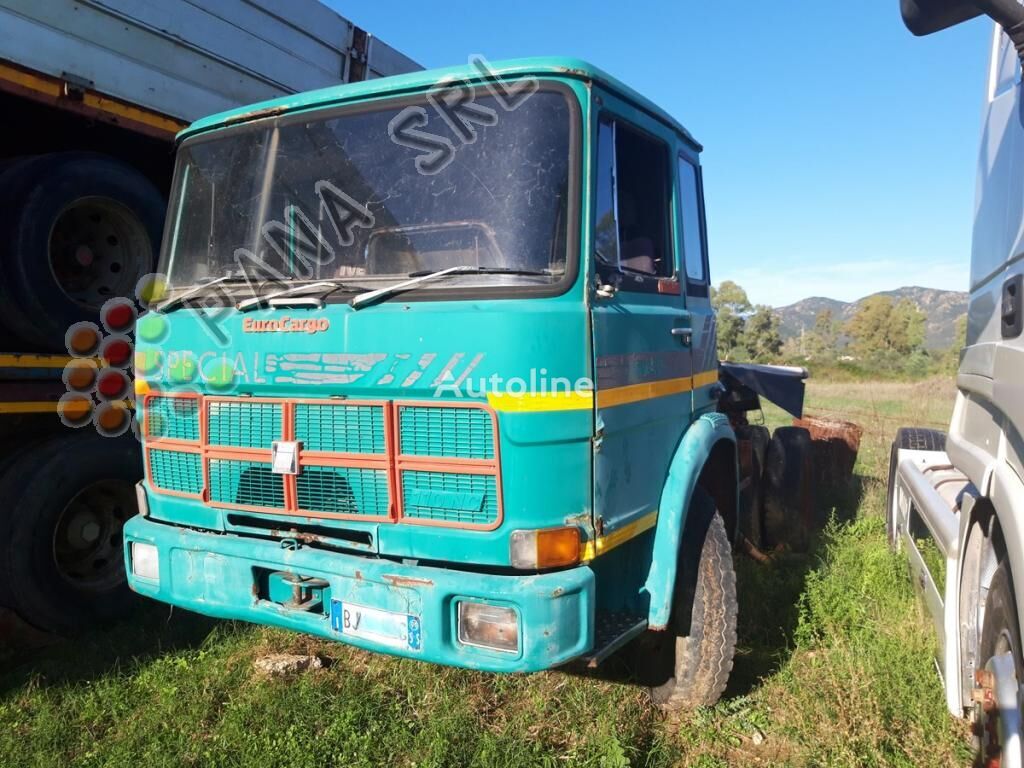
x: 752, y: 482
x: 997, y: 722
x: 61, y: 555
x: 790, y: 516
x: 76, y: 229
x: 688, y: 664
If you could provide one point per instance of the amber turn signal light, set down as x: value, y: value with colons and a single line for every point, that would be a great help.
x: 545, y: 548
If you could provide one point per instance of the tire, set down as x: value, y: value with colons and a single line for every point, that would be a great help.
x: 1000, y: 635
x: 76, y: 229
x: 688, y: 664
x: 914, y: 439
x: 61, y: 554
x: 752, y: 495
x: 790, y: 516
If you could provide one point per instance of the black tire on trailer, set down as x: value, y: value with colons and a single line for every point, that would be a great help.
x: 79, y: 228
x: 752, y: 493
x: 790, y: 516
x: 688, y: 664
x: 999, y: 655
x: 65, y: 505
x: 907, y: 438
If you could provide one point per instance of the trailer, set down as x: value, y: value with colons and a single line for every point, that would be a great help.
x: 93, y: 93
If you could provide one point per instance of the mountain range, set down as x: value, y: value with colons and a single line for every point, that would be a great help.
x: 941, y: 308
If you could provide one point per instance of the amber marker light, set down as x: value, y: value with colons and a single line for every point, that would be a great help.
x: 83, y: 339
x: 545, y: 548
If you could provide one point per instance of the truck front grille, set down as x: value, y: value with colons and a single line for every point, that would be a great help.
x: 450, y: 498
x: 245, y: 484
x: 242, y: 424
x: 463, y: 433
x: 412, y: 462
x: 176, y: 471
x: 340, y: 428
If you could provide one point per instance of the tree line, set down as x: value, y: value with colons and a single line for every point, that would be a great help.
x: 883, y: 336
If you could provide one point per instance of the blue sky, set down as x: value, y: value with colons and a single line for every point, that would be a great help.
x: 839, y: 149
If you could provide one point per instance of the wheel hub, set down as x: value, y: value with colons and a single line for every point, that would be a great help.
x: 998, y: 714
x: 98, y: 249
x: 88, y: 537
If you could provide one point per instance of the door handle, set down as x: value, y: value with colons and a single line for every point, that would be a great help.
x: 685, y: 335
x: 1012, y: 315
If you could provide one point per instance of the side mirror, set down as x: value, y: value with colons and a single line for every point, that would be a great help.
x: 923, y: 17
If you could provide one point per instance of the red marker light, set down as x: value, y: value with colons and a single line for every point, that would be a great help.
x: 117, y: 351
x: 112, y: 384
x: 118, y: 316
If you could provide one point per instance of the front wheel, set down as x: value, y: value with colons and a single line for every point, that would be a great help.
x: 688, y: 664
x: 997, y: 720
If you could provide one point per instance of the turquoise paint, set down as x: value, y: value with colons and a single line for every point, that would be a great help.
x: 398, y: 350
x: 687, y: 463
x: 218, y: 575
x: 547, y: 67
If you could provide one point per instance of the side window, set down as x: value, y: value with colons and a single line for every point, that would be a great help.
x: 606, y: 233
x: 693, y: 237
x: 631, y: 231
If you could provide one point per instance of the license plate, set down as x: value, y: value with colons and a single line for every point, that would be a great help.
x: 395, y: 630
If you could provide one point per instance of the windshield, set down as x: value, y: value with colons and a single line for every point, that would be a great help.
x: 342, y: 197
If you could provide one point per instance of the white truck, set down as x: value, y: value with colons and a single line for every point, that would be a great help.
x: 92, y: 93
x: 956, y: 500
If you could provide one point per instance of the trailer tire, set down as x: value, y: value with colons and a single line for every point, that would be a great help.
x: 687, y: 665
x: 790, y: 516
x: 61, y: 552
x: 752, y: 494
x: 1000, y: 636
x: 911, y: 439
x: 77, y: 229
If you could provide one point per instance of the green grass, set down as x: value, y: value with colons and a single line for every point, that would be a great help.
x: 834, y: 668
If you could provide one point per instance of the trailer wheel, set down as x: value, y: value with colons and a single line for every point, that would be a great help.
x: 688, y: 664
x: 790, y: 516
x: 997, y: 719
x: 752, y: 490
x: 61, y: 556
x: 912, y: 439
x: 79, y: 228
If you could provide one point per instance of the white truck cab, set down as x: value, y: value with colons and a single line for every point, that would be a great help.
x: 956, y: 500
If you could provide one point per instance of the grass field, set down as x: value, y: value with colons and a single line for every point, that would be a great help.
x: 833, y: 668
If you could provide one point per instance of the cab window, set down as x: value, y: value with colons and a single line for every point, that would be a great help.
x: 694, y: 257
x: 631, y: 226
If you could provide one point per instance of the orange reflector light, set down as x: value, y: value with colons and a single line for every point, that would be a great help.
x: 545, y: 548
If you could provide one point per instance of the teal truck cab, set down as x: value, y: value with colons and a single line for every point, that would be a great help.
x: 434, y: 374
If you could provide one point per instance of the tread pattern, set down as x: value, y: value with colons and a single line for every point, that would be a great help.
x: 704, y: 656
x: 918, y: 439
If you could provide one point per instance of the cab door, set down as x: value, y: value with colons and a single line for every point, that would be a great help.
x: 642, y: 330
x: 691, y: 241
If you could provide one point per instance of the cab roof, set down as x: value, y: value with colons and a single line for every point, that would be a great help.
x: 543, y: 66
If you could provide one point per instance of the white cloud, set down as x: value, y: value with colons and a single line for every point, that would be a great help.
x: 842, y: 280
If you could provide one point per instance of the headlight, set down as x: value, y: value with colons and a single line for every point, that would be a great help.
x: 145, y: 561
x: 489, y: 626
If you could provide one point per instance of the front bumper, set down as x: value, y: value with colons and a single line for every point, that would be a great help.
x: 220, y: 575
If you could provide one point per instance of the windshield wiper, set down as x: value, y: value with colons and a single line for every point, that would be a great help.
x: 489, y: 271
x: 418, y: 278
x: 182, y: 298
x: 274, y: 299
